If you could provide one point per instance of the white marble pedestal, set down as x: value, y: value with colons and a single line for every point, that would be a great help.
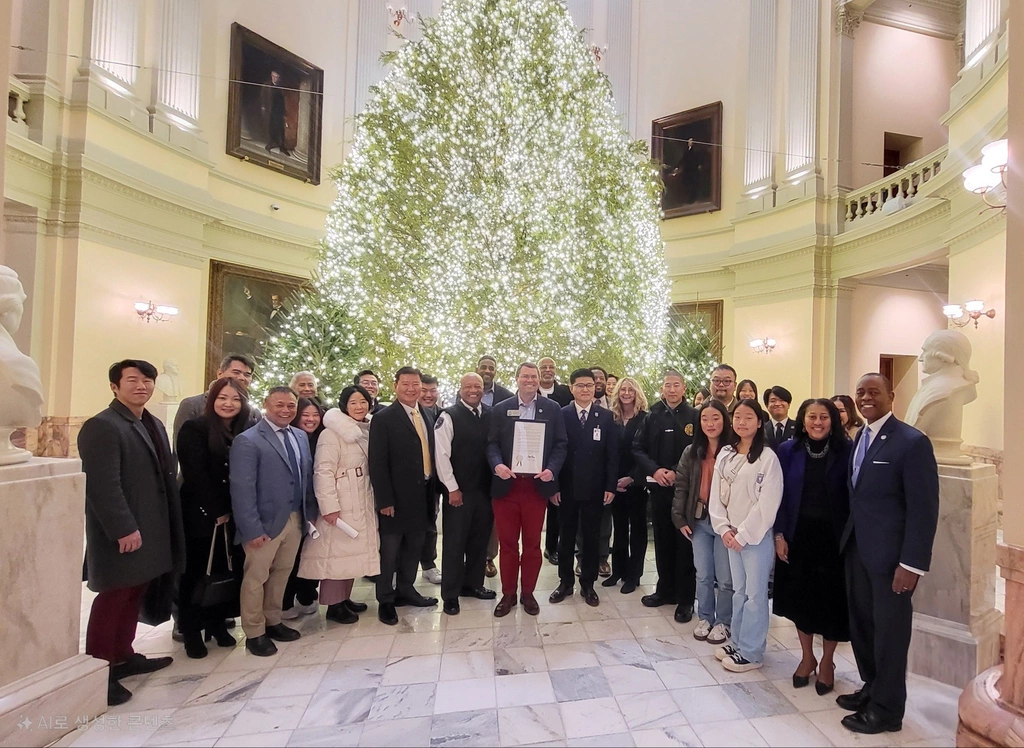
x: 956, y: 623
x: 42, y: 676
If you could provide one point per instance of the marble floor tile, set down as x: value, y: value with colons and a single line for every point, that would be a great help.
x: 615, y: 740
x: 353, y: 675
x: 721, y: 675
x: 230, y: 685
x: 603, y: 612
x: 365, y: 647
x: 330, y: 708
x: 290, y: 681
x: 789, y: 730
x: 462, y: 665
x: 414, y: 669
x: 779, y: 665
x: 683, y: 673
x: 121, y: 732
x: 185, y: 665
x: 472, y: 694
x: 470, y: 619
x: 731, y: 733
x: 204, y: 722
x: 629, y: 607
x: 625, y: 679
x: 343, y: 737
x: 557, y: 614
x: 524, y: 689
x: 645, y: 711
x: 705, y: 704
x: 591, y: 717
x: 562, y: 632
x: 620, y: 652
x: 456, y: 729
x: 806, y: 700
x: 830, y: 725
x: 519, y: 660
x: 398, y: 702
x: 572, y: 655
x: 468, y: 640
x: 261, y: 716
x: 161, y: 692
x: 427, y: 643
x: 758, y: 699
x: 667, y: 736
x: 297, y: 654
x: 506, y: 637
x: 579, y: 684
x: 240, y: 658
x: 607, y: 630
x: 421, y: 621
x: 277, y: 739
x: 413, y: 732
x: 661, y: 648
x: 644, y: 628
x: 528, y: 725
x: 370, y: 625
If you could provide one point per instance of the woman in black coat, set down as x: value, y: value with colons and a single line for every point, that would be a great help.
x: 629, y: 509
x: 202, y: 450
x: 810, y: 586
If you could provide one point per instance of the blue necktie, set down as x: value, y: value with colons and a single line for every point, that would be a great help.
x: 583, y: 418
x: 294, y: 462
x: 862, y: 452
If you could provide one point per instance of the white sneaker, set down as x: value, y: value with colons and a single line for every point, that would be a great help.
x: 291, y: 614
x: 308, y: 610
x: 718, y: 635
x: 739, y: 664
x: 701, y: 631
x: 432, y: 575
x: 723, y: 653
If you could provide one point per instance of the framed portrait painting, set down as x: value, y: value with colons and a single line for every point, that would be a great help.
x: 245, y: 310
x: 275, y: 106
x: 688, y: 146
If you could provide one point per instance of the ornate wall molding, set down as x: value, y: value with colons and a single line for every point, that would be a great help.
x: 848, y: 18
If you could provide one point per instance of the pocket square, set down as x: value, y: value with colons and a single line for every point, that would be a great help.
x: 878, y: 462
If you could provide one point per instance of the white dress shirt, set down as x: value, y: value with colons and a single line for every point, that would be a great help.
x: 444, y: 432
x: 528, y: 411
x: 588, y: 410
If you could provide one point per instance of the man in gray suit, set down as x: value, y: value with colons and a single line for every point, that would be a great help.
x: 271, y: 499
x: 235, y: 366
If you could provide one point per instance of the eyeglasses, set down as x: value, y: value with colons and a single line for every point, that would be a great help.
x: 581, y: 386
x: 721, y: 382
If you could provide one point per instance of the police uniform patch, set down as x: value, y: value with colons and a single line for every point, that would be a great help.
x: 688, y: 430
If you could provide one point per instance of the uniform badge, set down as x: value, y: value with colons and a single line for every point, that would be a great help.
x: 760, y: 478
x: 688, y: 430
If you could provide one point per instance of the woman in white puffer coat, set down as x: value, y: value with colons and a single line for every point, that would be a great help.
x: 341, y: 481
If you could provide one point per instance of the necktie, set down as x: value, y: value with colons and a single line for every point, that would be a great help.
x: 293, y: 461
x: 476, y: 412
x: 583, y: 418
x: 862, y: 451
x: 779, y: 431
x: 424, y: 444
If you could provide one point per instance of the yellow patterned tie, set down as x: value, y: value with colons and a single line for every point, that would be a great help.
x: 424, y: 444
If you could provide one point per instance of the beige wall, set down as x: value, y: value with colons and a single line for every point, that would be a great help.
x: 789, y: 365
x: 901, y: 85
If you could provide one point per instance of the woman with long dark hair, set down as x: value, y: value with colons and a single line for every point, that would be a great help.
x: 700, y: 396
x: 745, y: 495
x: 852, y: 422
x: 746, y: 390
x: 810, y: 584
x: 202, y: 449
x: 694, y: 475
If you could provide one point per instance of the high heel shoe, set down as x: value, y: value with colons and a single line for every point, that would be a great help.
x: 823, y: 688
x: 194, y: 646
x: 800, y: 681
x: 224, y: 639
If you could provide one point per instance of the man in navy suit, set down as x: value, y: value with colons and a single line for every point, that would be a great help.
x: 780, y: 427
x: 519, y: 500
x: 587, y: 483
x: 272, y: 500
x: 887, y: 543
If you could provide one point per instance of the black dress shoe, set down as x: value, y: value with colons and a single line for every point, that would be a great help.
x: 417, y: 602
x: 553, y: 558
x: 387, y: 614
x: 229, y: 623
x: 655, y: 600
x: 139, y: 664
x: 854, y: 702
x: 628, y: 586
x: 480, y: 593
x: 341, y: 613
x: 194, y: 646
x: 590, y: 597
x: 355, y: 607
x: 116, y: 693
x: 870, y: 722
x: 684, y: 613
x: 561, y: 592
x: 282, y: 633
x: 261, y: 646
x: 451, y: 607
x: 223, y: 638
x: 610, y: 581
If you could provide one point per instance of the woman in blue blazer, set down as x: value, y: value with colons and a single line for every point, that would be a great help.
x: 810, y: 587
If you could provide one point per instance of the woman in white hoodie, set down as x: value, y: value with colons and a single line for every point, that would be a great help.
x: 745, y: 496
x: 341, y: 481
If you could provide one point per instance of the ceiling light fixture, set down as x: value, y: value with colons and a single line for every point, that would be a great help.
x: 151, y: 312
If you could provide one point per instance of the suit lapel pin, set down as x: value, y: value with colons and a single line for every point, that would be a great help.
x: 883, y: 437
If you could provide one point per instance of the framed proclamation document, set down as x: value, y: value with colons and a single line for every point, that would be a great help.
x: 528, y: 447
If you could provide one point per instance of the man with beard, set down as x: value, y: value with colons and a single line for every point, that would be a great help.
x: 601, y: 387
x: 486, y: 367
x: 723, y: 386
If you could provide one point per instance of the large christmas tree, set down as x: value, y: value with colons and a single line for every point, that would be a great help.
x: 492, y: 203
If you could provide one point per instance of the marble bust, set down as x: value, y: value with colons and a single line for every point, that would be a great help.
x: 21, y: 390
x: 949, y: 384
x: 168, y: 383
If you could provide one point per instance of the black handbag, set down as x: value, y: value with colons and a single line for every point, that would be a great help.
x: 222, y: 587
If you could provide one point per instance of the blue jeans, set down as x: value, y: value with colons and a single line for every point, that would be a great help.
x: 751, y: 568
x: 711, y: 558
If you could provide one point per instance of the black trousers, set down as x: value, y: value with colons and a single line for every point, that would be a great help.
x: 191, y: 618
x: 673, y: 553
x: 604, y: 544
x: 551, y: 534
x: 428, y: 559
x: 629, y: 513
x: 467, y: 530
x: 399, y: 559
x: 584, y: 516
x: 302, y: 590
x: 880, y: 626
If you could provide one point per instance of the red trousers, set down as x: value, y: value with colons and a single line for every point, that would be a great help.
x: 519, y: 512
x: 112, y: 622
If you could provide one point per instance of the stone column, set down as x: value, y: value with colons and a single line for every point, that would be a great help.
x: 760, y: 140
x: 114, y: 39
x: 802, y: 110
x: 981, y: 18
x: 177, y: 78
x: 992, y: 706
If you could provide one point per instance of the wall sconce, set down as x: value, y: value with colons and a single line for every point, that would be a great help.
x: 763, y: 345
x: 989, y: 177
x: 971, y: 311
x: 151, y: 312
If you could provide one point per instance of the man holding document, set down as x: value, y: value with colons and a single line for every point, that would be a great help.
x: 526, y: 447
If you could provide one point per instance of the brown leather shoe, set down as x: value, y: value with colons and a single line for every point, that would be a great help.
x: 490, y: 571
x: 529, y: 604
x: 504, y: 606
